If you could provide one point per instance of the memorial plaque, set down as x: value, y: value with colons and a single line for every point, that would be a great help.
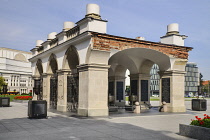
x: 111, y: 88
x: 120, y: 90
x: 144, y: 90
x: 134, y: 87
x: 166, y: 90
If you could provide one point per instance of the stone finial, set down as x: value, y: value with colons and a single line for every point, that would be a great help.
x: 93, y: 11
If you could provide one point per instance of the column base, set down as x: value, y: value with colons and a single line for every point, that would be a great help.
x: 93, y: 112
x: 62, y: 108
x: 176, y: 109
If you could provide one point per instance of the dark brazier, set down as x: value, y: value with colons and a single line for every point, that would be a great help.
x: 144, y: 90
x: 199, y: 104
x: 4, y: 101
x: 37, y: 109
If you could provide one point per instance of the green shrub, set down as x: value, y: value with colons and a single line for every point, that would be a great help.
x: 204, y: 122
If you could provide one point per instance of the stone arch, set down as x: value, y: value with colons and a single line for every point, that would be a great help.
x: 138, y: 57
x: 123, y: 60
x: 139, y: 62
x: 71, y: 59
x: 20, y: 57
x: 146, y: 66
x: 39, y: 68
x: 52, y: 64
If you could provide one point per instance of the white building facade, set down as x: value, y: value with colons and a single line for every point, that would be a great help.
x: 16, y: 70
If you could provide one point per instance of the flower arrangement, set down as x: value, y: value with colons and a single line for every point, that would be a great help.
x: 204, y: 122
x: 23, y: 97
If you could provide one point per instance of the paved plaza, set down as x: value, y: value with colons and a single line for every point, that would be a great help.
x: 150, y: 125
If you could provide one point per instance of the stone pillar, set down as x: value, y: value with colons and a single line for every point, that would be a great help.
x: 93, y: 90
x: 144, y: 80
x: 140, y: 83
x: 119, y: 89
x: 46, y: 88
x: 134, y: 85
x: 62, y: 90
x: 172, y: 90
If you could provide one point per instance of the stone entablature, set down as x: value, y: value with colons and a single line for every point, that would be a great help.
x: 107, y: 42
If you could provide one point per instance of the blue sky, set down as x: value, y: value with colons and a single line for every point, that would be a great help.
x: 22, y: 22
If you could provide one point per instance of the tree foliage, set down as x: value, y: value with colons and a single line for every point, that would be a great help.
x: 2, y: 82
x: 201, y: 80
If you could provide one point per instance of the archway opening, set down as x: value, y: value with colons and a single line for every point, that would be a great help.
x: 138, y: 63
x: 71, y: 61
x: 38, y: 80
x: 52, y: 69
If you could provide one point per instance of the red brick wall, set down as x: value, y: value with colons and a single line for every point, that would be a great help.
x: 107, y: 42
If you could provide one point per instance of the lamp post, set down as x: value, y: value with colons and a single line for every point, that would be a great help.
x: 37, y: 88
x: 4, y: 89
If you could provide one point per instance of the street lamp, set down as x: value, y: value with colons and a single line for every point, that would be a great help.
x: 4, y: 89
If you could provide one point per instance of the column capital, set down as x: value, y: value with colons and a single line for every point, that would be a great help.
x: 46, y: 74
x: 36, y: 77
x: 117, y: 78
x: 171, y: 72
x: 93, y: 67
x: 140, y: 75
x: 63, y: 71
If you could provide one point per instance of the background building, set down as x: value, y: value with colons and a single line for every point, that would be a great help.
x: 16, y: 69
x: 191, y: 80
x: 206, y: 88
x: 154, y: 81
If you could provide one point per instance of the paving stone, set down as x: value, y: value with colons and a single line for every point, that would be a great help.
x: 14, y: 125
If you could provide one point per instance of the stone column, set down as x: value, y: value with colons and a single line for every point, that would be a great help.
x: 119, y: 89
x: 93, y: 90
x: 62, y: 90
x: 135, y: 89
x: 140, y: 85
x: 46, y: 88
x: 144, y: 88
x: 172, y: 90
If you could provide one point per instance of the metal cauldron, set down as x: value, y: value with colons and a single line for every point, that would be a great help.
x: 111, y: 98
x: 133, y: 98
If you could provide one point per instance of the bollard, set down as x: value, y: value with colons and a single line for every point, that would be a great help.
x: 164, y: 107
x: 137, y: 109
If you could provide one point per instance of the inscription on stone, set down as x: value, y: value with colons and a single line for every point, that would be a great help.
x: 119, y: 91
x: 111, y: 88
x: 144, y: 90
x: 166, y: 90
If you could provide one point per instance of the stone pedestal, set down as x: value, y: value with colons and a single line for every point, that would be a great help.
x: 174, y: 94
x: 93, y: 90
x: 138, y: 108
x: 46, y: 88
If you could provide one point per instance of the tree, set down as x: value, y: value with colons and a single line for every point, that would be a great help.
x: 2, y: 82
x: 201, y: 80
